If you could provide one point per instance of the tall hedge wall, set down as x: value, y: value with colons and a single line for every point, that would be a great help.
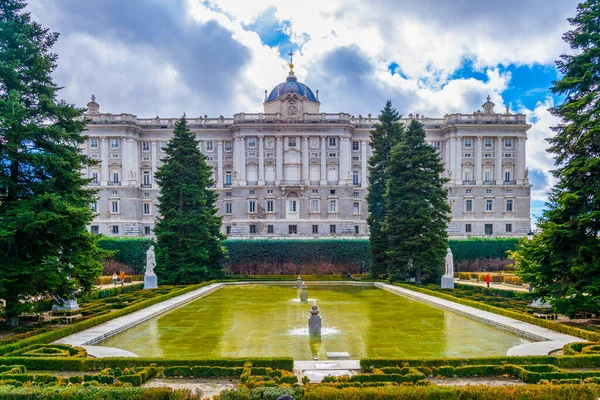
x: 350, y: 254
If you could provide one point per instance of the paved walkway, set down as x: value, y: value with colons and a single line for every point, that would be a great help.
x: 550, y: 340
x: 493, y: 285
x: 110, y: 328
x: 111, y: 286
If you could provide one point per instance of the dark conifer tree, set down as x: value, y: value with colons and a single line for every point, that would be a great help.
x: 189, y: 239
x: 562, y: 262
x: 417, y: 210
x: 388, y: 132
x: 45, y: 247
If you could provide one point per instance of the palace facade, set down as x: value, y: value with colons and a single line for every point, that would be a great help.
x: 294, y: 171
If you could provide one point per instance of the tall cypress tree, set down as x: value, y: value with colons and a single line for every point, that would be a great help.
x: 44, y: 205
x: 417, y: 208
x: 563, y: 261
x: 189, y: 240
x: 388, y: 132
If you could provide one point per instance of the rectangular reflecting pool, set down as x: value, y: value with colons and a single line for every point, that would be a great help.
x: 270, y: 321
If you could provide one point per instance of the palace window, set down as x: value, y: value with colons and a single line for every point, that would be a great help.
x: 469, y: 191
x: 315, y: 229
x: 355, y: 194
x: 468, y: 143
x: 145, y: 146
x: 489, y: 205
x: 437, y: 145
x: 270, y: 206
x: 488, y: 191
x: 508, y: 143
x: 508, y: 191
x: 356, y: 208
x: 146, y: 207
x: 114, y: 207
x: 468, y: 228
x: 355, y: 178
x: 94, y: 143
x: 489, y: 229
x: 332, y: 192
x: 292, y: 142
x: 508, y: 155
x: 210, y: 145
x: 228, y: 208
x: 147, y: 230
x: 252, y: 206
x: 252, y: 191
x: 251, y: 142
x: 487, y: 143
x: 509, y: 205
x: 331, y: 228
x: 115, y: 229
x: 227, y: 194
x: 269, y: 191
x: 356, y: 231
x: 293, y: 206
x: 228, y: 230
x: 508, y: 228
x: 293, y: 229
x: 507, y: 176
x: 332, y: 155
x: 469, y: 205
x: 332, y: 142
x: 314, y: 205
x: 146, y: 178
x: 270, y: 229
x: 252, y: 228
x: 94, y: 207
x: 95, y: 230
x: 227, y: 178
x: 227, y: 146
x: 94, y: 177
x: 355, y: 145
x: 116, y: 177
x: 332, y: 206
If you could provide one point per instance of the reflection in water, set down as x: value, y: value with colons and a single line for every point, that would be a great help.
x: 263, y: 321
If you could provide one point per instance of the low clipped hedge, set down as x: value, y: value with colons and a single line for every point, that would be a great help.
x: 581, y: 348
x: 202, y: 371
x: 94, y: 393
x: 51, y: 336
x: 555, y: 326
x: 97, y: 364
x: 49, y: 350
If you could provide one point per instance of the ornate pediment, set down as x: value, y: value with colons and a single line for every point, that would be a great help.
x: 292, y: 106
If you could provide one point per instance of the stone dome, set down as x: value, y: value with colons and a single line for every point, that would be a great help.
x: 291, y: 84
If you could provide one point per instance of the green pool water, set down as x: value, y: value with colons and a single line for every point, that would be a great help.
x: 268, y: 321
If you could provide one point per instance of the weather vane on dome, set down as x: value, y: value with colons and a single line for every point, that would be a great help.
x: 291, y: 54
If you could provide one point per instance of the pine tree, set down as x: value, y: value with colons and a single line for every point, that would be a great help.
x: 189, y: 240
x: 417, y: 208
x: 388, y: 132
x: 562, y: 262
x: 45, y: 247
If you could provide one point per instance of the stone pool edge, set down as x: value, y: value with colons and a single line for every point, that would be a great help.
x: 549, y: 340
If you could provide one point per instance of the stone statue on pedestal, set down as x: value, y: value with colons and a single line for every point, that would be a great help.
x: 448, y: 278
x: 150, y: 280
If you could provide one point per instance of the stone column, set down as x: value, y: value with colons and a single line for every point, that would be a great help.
x: 363, y: 164
x: 220, y: 164
x: 153, y: 160
x: 279, y: 161
x: 447, y: 162
x: 242, y: 169
x: 348, y: 159
x: 305, y: 160
x: 125, y: 161
x: 261, y: 161
x: 236, y: 158
x: 452, y: 160
x: 323, y: 161
x: 104, y: 178
x: 458, y: 160
x: 520, y: 160
x: 477, y: 172
x: 135, y: 162
x: 498, y: 161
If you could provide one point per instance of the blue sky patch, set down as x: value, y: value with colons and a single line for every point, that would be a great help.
x: 271, y: 32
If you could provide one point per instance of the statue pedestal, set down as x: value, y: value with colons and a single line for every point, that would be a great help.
x: 447, y: 282
x: 68, y: 305
x: 150, y: 282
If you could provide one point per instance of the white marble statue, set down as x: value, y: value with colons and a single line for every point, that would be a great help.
x: 449, y: 263
x: 150, y: 262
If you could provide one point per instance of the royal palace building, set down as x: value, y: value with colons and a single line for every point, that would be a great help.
x: 293, y: 171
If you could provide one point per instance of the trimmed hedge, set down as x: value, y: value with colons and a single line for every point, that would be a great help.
x: 346, y: 252
x: 97, y: 364
x: 555, y: 326
x: 94, y: 393
x: 581, y: 348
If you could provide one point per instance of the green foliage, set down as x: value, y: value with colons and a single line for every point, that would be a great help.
x: 49, y: 350
x: 387, y: 133
x: 477, y: 248
x: 129, y: 251
x: 189, y: 248
x: 44, y: 202
x: 562, y: 262
x: 417, y: 210
x: 94, y: 393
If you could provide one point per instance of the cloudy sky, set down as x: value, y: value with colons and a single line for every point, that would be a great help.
x: 217, y: 57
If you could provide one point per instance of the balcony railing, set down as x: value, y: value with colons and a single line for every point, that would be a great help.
x: 489, y: 182
x: 468, y: 182
x: 114, y: 183
x: 332, y: 182
x: 252, y: 183
x: 146, y: 185
x: 94, y: 183
x: 315, y: 183
x: 289, y: 182
x: 510, y: 182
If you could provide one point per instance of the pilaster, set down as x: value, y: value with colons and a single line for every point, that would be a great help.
x: 498, y: 161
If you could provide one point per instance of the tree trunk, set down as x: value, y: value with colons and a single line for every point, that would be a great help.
x: 418, y: 275
x: 12, y: 312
